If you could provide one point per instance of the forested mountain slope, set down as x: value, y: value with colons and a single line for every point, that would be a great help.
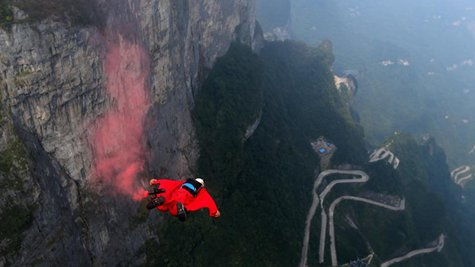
x: 264, y: 183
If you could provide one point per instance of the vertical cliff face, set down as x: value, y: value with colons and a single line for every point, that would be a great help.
x: 53, y: 88
x: 185, y: 38
x: 52, y: 80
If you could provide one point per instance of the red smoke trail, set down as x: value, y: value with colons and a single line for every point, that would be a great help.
x: 117, y: 137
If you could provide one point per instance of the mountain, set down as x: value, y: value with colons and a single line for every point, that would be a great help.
x: 413, y: 60
x: 99, y: 96
x: 400, y: 54
x: 79, y: 79
x: 263, y: 184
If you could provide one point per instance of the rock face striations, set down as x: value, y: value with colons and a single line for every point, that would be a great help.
x: 53, y: 92
x: 185, y: 38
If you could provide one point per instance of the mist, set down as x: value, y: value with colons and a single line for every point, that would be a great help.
x: 414, y: 62
x: 329, y: 132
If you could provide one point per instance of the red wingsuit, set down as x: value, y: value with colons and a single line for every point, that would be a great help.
x: 174, y: 193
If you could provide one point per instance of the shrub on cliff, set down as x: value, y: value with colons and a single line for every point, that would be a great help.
x: 6, y: 15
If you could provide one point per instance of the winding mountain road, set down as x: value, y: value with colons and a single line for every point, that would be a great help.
x: 331, y: 221
x: 359, y: 177
x: 460, y: 171
x: 364, y: 178
x: 316, y: 200
x: 463, y: 180
x: 438, y: 247
x: 308, y: 221
x: 383, y: 153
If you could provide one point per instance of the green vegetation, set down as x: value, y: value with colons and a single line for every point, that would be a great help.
x: 15, y: 218
x: 13, y: 221
x: 141, y: 216
x: 413, y: 98
x: 24, y: 72
x: 76, y: 12
x: 422, y: 97
x: 423, y: 180
x: 13, y: 158
x: 229, y: 102
x: 150, y: 248
x: 6, y: 15
x: 262, y: 185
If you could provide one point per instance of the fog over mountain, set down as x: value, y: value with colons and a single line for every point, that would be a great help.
x: 415, y: 59
x: 414, y: 65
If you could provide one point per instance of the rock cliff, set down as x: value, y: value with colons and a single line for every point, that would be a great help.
x: 54, y: 91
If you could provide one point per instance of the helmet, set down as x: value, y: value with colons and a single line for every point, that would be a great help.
x: 199, y: 180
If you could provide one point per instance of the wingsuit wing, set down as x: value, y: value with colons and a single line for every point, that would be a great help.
x: 203, y: 200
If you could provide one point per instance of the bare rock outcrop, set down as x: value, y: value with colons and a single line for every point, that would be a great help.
x: 52, y: 86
